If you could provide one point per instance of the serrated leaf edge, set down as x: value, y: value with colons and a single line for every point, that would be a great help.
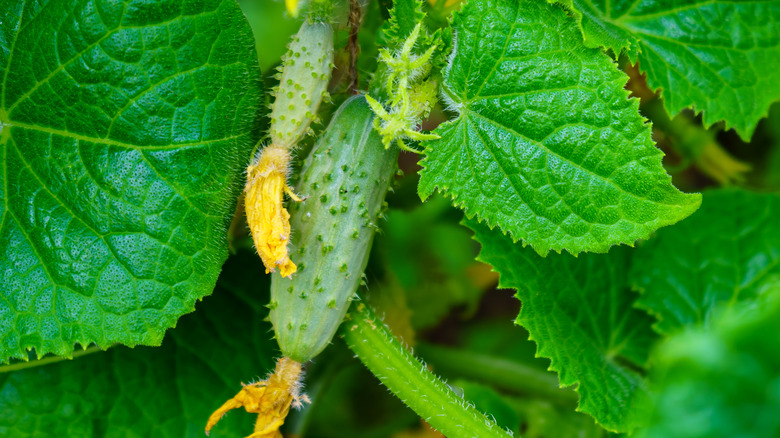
x: 541, y: 351
x: 455, y: 105
x: 633, y: 48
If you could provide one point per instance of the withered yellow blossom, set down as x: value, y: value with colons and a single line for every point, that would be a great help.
x: 270, y: 399
x: 269, y: 221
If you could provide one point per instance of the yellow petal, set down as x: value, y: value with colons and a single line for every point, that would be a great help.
x: 270, y: 399
x: 268, y: 220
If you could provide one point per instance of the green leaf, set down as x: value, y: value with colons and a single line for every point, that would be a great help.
x: 723, y: 381
x: 547, y: 146
x: 722, y: 58
x: 580, y: 313
x: 168, y: 391
x: 726, y: 252
x: 125, y: 129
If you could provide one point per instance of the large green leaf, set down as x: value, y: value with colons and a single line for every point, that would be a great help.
x: 726, y: 252
x: 723, y: 381
x: 547, y: 146
x: 168, y: 391
x: 720, y: 57
x: 580, y: 312
x: 125, y: 126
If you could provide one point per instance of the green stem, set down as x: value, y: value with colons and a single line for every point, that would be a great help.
x: 498, y: 372
x: 411, y: 381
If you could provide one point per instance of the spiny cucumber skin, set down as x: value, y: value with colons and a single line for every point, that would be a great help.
x: 305, y: 75
x: 345, y: 178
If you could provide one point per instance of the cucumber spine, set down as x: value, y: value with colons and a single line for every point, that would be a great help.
x: 345, y: 177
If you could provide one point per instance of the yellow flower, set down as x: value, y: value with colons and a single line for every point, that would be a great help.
x: 268, y: 220
x: 270, y: 399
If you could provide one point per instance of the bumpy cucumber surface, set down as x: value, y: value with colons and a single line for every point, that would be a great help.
x: 305, y: 74
x: 345, y: 177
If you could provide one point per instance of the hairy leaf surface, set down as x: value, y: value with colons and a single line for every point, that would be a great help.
x: 720, y: 57
x: 721, y: 381
x: 580, y: 312
x: 125, y: 126
x: 547, y: 146
x: 168, y: 391
x: 726, y: 252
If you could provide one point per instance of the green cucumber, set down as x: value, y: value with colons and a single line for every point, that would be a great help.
x: 306, y: 71
x: 345, y: 178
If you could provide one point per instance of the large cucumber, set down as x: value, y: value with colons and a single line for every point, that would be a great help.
x: 345, y: 177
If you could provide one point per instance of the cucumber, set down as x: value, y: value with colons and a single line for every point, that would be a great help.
x: 345, y: 177
x: 305, y: 75
x: 306, y: 71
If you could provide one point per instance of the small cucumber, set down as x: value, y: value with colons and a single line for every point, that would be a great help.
x: 345, y: 177
x: 305, y: 74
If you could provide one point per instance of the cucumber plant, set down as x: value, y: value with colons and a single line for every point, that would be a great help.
x: 573, y: 152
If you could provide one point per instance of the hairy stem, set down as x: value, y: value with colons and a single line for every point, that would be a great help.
x: 411, y: 381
